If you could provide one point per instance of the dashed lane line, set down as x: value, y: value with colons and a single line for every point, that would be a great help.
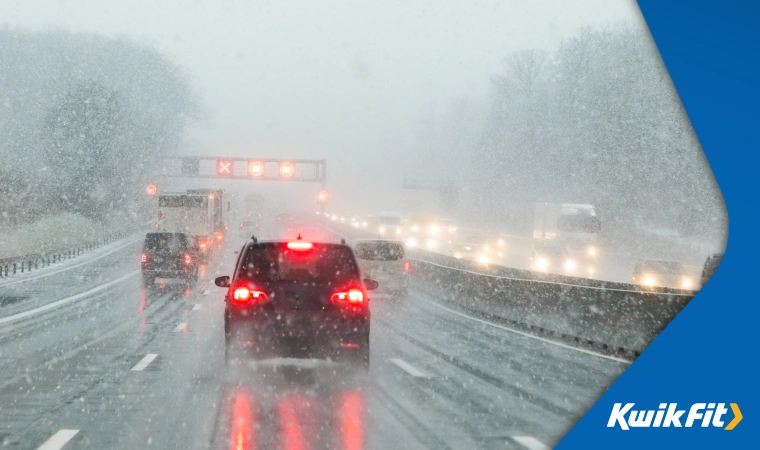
x: 58, y: 440
x: 531, y: 443
x: 408, y: 368
x: 197, y: 307
x: 145, y: 362
x: 180, y: 327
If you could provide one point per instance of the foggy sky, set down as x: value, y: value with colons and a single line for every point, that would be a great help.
x: 331, y: 79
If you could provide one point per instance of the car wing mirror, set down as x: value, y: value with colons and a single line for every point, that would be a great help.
x: 222, y: 281
x: 370, y: 285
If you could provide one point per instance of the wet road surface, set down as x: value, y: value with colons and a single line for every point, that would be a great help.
x: 114, y: 365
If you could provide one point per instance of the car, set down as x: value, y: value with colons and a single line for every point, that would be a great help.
x: 249, y: 225
x: 384, y: 261
x: 469, y: 250
x: 551, y: 258
x: 711, y: 265
x: 169, y: 258
x: 656, y: 272
x: 297, y: 298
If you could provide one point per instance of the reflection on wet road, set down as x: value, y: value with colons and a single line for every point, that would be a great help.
x: 129, y: 367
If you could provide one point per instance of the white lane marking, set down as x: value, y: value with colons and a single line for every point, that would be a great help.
x: 47, y: 274
x: 197, y: 307
x: 144, y: 362
x: 548, y: 341
x: 406, y: 367
x: 180, y: 327
x: 58, y: 440
x: 531, y: 443
x: 206, y: 292
x: 58, y: 303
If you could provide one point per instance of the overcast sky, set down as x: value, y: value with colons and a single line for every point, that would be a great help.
x: 326, y: 78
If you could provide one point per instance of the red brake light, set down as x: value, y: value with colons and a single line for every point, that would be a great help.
x: 144, y: 258
x: 351, y: 296
x: 245, y: 296
x: 407, y: 266
x: 300, y: 246
x: 188, y: 259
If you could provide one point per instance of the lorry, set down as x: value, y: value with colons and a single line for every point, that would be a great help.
x: 254, y: 205
x: 188, y: 213
x: 220, y: 207
x: 572, y: 226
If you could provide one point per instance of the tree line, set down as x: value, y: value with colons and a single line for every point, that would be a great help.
x: 83, y: 118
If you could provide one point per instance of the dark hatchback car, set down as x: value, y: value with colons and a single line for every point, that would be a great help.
x: 297, y: 299
x: 169, y: 258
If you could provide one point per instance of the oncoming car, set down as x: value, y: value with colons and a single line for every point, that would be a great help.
x: 549, y: 258
x: 383, y: 261
x: 655, y: 272
x: 297, y: 299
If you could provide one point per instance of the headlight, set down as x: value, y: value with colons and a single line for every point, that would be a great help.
x: 501, y: 254
x: 457, y: 255
x: 452, y: 229
x: 398, y: 230
x: 686, y: 283
x: 542, y: 264
x: 364, y: 224
x: 569, y: 264
x: 382, y: 229
x: 501, y: 243
x: 592, y: 251
x: 648, y: 280
x: 483, y: 259
x: 430, y: 243
x: 434, y: 229
x: 411, y: 242
x: 486, y: 249
x: 415, y: 228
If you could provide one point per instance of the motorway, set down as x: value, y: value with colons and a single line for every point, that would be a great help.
x: 89, y: 359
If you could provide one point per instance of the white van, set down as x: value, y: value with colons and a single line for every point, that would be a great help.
x: 385, y: 262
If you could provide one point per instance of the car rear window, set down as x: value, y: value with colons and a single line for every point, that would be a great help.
x: 323, y: 264
x: 166, y: 241
x: 379, y: 251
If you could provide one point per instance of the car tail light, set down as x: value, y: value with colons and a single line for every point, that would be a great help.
x: 188, y: 259
x: 350, y: 296
x: 144, y: 258
x: 245, y: 296
x: 407, y: 266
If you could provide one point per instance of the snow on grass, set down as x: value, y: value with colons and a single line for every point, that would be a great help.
x: 53, y: 232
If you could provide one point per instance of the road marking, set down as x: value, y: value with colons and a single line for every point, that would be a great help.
x: 58, y: 303
x: 548, y: 341
x: 531, y: 443
x: 58, y: 440
x: 180, y: 327
x: 197, y: 307
x: 406, y: 367
x: 206, y: 292
x: 64, y: 269
x: 144, y: 362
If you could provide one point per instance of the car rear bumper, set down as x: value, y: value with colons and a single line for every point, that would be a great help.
x: 318, y: 339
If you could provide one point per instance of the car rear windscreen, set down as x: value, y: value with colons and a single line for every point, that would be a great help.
x: 323, y: 264
x: 166, y: 241
x: 379, y: 251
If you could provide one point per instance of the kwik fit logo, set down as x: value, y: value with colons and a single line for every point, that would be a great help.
x: 668, y: 415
